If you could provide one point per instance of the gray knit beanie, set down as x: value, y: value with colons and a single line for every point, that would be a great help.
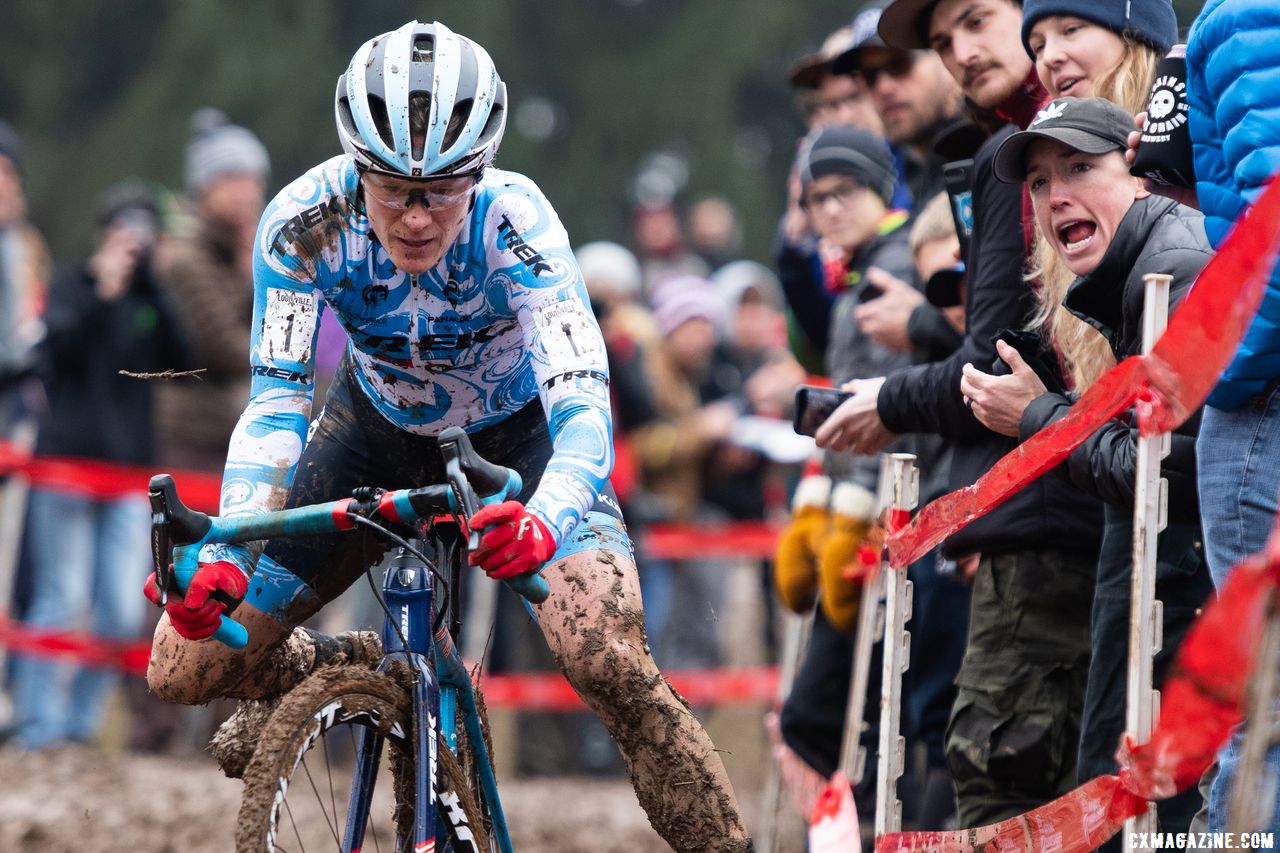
x: 841, y: 149
x: 219, y: 148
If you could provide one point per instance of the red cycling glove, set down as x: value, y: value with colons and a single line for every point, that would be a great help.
x: 197, y: 615
x: 514, y: 542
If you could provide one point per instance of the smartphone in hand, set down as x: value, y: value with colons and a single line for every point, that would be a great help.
x: 814, y: 405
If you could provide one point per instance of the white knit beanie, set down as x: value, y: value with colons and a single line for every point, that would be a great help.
x: 219, y: 148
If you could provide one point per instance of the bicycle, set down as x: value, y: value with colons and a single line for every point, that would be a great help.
x: 444, y: 793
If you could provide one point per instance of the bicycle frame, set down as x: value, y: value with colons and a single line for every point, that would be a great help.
x: 442, y: 684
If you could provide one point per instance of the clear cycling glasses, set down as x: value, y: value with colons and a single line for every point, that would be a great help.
x: 396, y: 193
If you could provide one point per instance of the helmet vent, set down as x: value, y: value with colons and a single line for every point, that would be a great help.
x: 348, y: 121
x: 493, y: 125
x: 381, y: 121
x: 457, y: 121
x: 419, y: 116
x: 424, y: 48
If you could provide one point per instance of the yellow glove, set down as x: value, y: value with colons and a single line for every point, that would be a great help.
x: 852, y: 508
x: 795, y: 566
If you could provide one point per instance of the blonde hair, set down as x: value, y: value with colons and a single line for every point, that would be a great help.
x: 933, y: 223
x: 1085, y: 353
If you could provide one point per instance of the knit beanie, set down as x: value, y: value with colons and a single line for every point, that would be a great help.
x: 1151, y: 22
x: 219, y: 148
x: 682, y: 298
x: 841, y: 149
x: 11, y: 144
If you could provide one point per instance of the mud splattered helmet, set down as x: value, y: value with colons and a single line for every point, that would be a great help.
x: 421, y: 101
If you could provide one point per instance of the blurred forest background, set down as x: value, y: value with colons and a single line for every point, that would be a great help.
x: 607, y: 95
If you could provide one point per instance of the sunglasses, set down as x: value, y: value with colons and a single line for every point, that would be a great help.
x: 899, y: 65
x: 396, y: 193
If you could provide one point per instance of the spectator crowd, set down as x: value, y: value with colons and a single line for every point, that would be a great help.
x: 960, y: 249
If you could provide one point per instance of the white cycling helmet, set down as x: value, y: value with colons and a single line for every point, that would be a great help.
x: 421, y: 101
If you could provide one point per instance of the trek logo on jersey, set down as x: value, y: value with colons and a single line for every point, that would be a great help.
x: 459, y: 340
x: 280, y: 373
x: 521, y: 249
x: 570, y: 375
x: 309, y: 218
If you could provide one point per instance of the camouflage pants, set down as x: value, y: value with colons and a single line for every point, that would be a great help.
x: 1014, y: 729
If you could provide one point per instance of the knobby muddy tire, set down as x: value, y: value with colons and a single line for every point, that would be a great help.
x: 378, y: 702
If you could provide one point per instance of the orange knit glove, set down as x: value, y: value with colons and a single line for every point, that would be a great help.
x: 795, y: 566
x: 852, y: 508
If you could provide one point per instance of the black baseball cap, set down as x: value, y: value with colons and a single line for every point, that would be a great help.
x: 904, y: 24
x: 809, y: 70
x: 1091, y: 125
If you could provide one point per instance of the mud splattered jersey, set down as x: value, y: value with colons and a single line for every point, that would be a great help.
x: 502, y: 319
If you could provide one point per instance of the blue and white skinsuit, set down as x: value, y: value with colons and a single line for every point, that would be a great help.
x: 500, y: 323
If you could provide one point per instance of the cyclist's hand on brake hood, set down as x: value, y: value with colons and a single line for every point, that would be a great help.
x: 197, y: 614
x: 514, y: 542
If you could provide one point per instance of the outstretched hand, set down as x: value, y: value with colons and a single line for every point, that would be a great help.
x: 999, y: 401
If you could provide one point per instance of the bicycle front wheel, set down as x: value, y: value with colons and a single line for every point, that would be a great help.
x: 297, y: 788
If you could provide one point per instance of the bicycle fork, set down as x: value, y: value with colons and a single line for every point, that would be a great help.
x: 407, y: 591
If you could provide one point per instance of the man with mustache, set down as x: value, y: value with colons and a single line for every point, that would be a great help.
x: 916, y: 100
x: 1011, y: 742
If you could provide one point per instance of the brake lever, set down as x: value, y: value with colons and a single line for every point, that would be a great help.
x: 161, y: 543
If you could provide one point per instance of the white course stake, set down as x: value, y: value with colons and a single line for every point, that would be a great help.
x: 853, y: 756
x: 1150, y: 510
x: 905, y: 479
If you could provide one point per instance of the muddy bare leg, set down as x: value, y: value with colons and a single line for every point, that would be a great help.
x: 190, y: 672
x: 594, y: 623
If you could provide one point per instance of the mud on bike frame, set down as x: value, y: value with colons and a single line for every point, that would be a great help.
x: 413, y: 632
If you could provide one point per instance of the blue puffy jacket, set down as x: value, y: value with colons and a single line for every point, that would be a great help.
x: 1233, y: 71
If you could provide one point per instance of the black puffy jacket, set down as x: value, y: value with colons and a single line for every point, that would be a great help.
x: 1157, y: 235
x: 1049, y: 513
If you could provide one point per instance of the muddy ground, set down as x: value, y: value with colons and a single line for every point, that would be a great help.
x: 81, y: 800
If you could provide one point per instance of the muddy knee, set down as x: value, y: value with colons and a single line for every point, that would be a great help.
x: 181, y: 676
x: 609, y: 667
x: 187, y: 672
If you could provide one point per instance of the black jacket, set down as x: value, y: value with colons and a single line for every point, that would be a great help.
x: 1157, y: 235
x: 1048, y: 513
x: 95, y: 412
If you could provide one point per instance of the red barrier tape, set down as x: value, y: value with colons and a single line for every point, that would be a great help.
x: 130, y: 657
x: 739, y: 539
x: 105, y: 480
x: 549, y: 691
x: 539, y: 691
x: 1168, y: 384
x: 1203, y: 699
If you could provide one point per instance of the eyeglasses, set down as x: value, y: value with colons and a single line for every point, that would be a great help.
x: 841, y: 194
x: 401, y: 193
x: 899, y: 65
